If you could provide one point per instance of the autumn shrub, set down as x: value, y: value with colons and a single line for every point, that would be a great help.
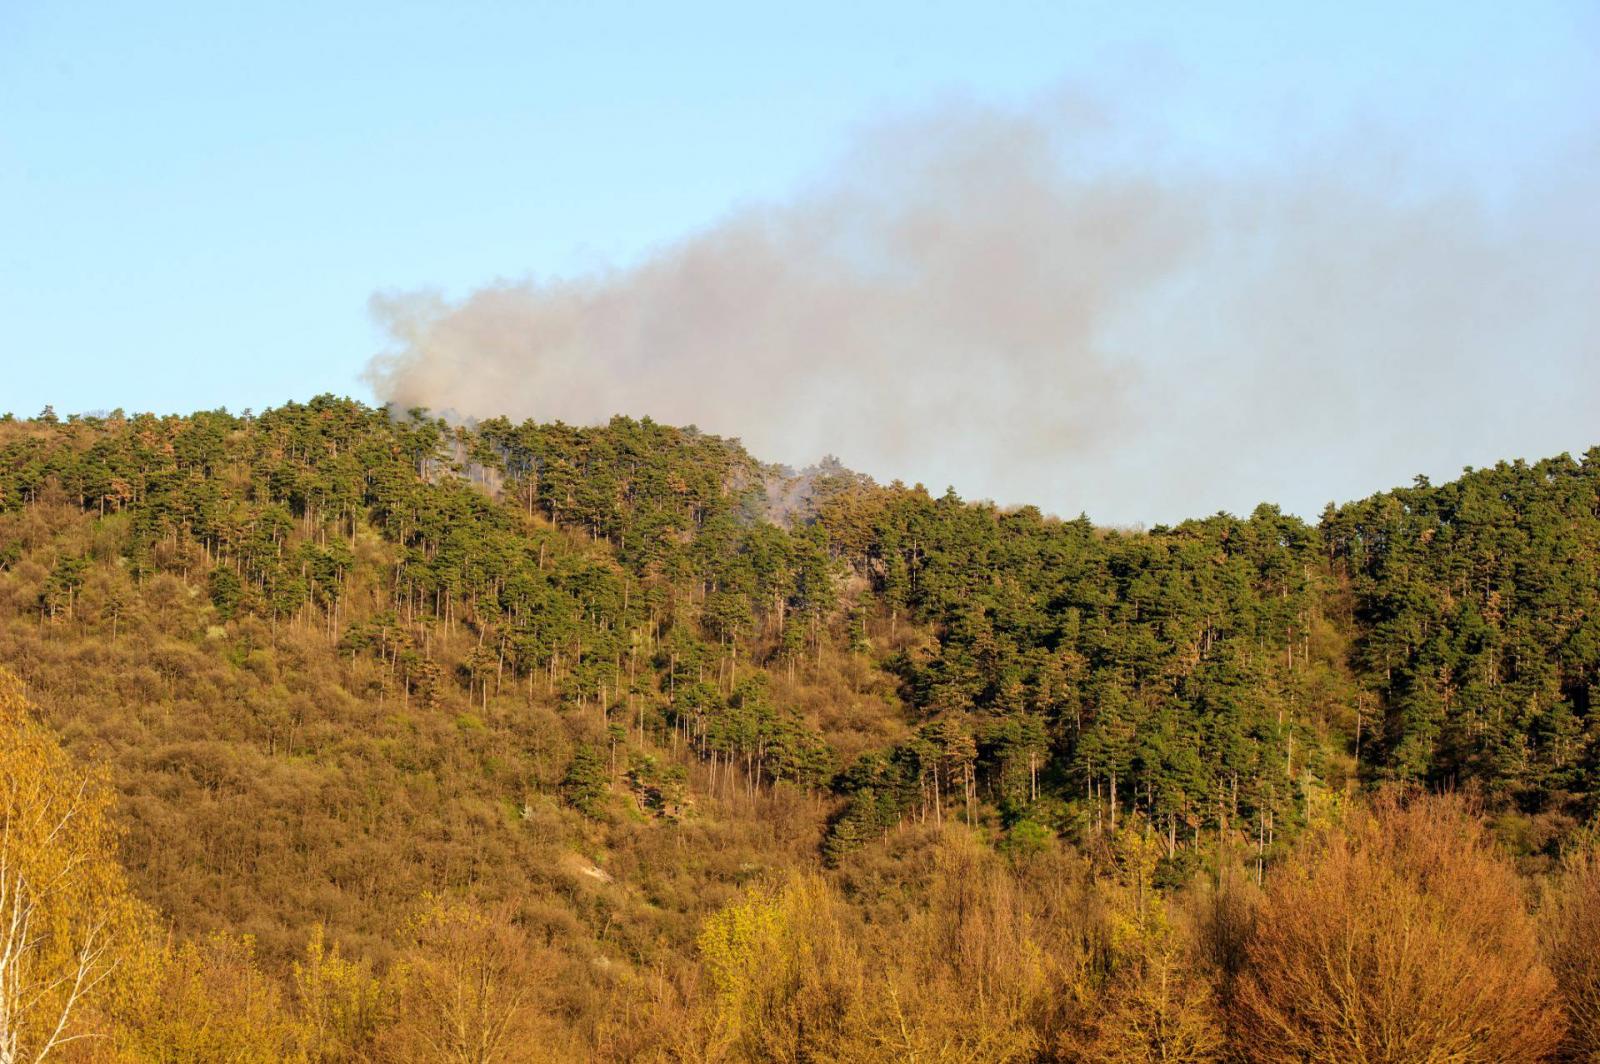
x: 655, y: 1016
x: 1401, y: 935
x: 1570, y: 926
x: 970, y: 973
x: 471, y: 991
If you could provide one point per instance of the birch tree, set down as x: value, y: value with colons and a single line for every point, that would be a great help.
x: 64, y: 907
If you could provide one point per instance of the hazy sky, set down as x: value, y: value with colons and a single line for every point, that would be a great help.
x: 1383, y: 219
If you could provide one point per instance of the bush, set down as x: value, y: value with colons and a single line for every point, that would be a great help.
x: 1571, y: 933
x: 1400, y: 936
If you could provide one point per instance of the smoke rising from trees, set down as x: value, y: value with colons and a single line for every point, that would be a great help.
x: 1000, y: 300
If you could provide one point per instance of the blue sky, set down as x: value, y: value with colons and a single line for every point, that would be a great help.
x: 198, y: 200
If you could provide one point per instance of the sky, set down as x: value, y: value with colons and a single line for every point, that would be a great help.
x: 199, y: 204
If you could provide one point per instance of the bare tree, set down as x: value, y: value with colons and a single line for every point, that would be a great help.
x: 471, y: 989
x: 1401, y: 936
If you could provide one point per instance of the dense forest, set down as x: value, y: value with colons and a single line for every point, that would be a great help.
x: 340, y: 734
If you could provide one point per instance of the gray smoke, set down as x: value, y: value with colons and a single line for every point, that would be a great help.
x: 999, y: 300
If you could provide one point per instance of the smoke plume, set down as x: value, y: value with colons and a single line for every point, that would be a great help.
x: 1001, y: 301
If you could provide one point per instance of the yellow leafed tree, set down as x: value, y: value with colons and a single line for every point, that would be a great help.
x: 66, y: 916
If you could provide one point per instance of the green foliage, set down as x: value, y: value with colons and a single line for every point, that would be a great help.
x: 227, y: 592
x: 585, y: 784
x: 338, y: 658
x: 1199, y: 674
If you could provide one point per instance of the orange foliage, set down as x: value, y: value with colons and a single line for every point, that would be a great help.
x: 1400, y: 936
x: 1571, y: 931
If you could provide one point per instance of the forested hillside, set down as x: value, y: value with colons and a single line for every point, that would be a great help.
x: 675, y: 755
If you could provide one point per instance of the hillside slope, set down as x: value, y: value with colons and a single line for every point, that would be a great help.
x: 338, y: 663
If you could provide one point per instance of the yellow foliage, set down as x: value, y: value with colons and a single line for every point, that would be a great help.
x: 1153, y: 1004
x: 81, y: 969
x: 211, y: 1001
x: 1157, y: 1010
x: 735, y: 937
x: 978, y: 973
x: 787, y: 974
x: 1138, y: 916
x: 67, y: 919
x: 343, y: 1005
